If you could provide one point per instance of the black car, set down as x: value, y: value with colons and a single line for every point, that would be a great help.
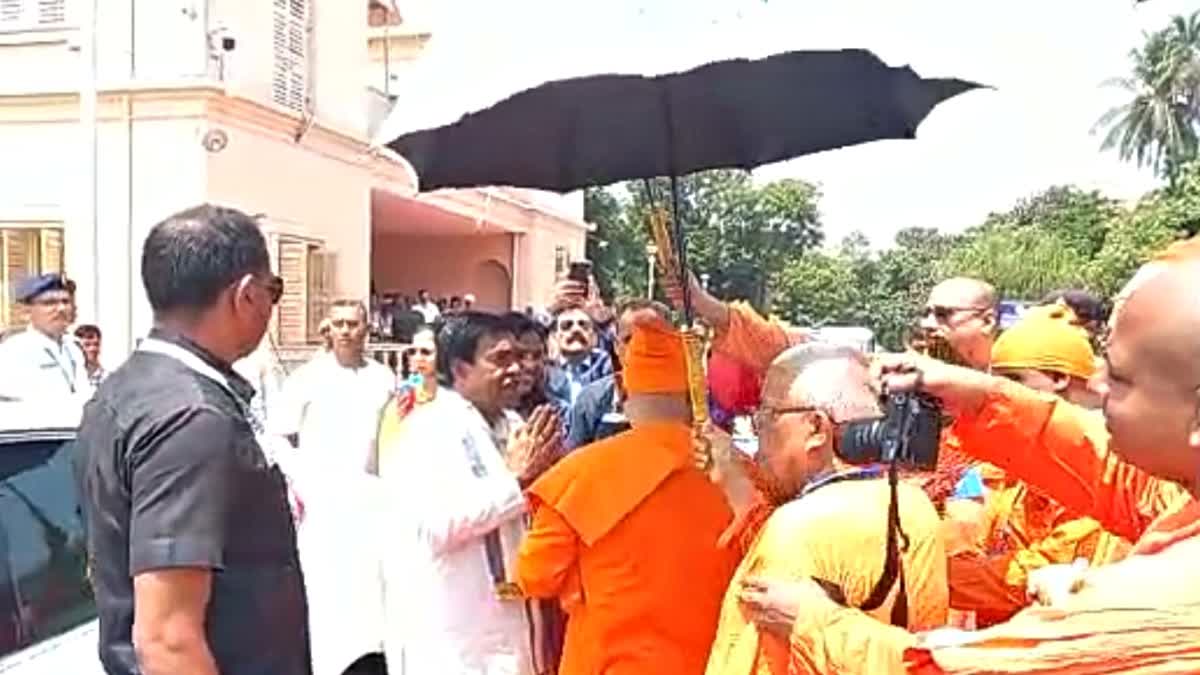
x: 46, y: 607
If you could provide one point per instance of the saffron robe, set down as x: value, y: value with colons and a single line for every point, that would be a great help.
x: 625, y: 533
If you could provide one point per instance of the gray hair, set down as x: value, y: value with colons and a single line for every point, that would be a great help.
x: 831, y: 378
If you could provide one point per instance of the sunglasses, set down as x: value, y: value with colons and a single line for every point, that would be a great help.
x: 568, y: 324
x: 273, y: 285
x: 944, y: 313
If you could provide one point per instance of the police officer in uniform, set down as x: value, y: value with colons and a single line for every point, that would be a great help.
x: 43, y: 361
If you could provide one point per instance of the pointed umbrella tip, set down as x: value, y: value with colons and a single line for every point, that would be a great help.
x: 918, y: 97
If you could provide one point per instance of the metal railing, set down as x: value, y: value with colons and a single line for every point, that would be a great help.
x: 292, y: 356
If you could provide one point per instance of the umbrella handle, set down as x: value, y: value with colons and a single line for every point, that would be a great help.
x: 695, y: 337
x: 695, y: 344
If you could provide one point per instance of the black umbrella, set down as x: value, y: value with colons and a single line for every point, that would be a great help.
x: 588, y: 131
x: 598, y: 130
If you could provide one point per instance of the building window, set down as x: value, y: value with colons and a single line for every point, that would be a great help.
x: 289, y: 77
x: 562, y: 259
x: 307, y: 271
x: 27, y: 15
x: 25, y: 252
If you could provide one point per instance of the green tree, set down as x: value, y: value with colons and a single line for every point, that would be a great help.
x: 1157, y: 127
x: 1156, y: 221
x: 818, y: 289
x: 1079, y: 219
x: 617, y: 246
x: 739, y: 233
x: 1042, y: 243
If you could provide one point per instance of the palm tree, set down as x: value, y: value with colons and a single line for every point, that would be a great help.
x: 1158, y: 127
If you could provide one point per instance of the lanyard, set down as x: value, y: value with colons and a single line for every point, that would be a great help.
x: 865, y: 473
x: 68, y: 373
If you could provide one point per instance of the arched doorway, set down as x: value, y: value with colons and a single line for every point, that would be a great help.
x: 492, y: 286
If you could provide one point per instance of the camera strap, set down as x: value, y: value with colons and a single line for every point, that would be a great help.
x: 897, y: 542
x: 893, y: 569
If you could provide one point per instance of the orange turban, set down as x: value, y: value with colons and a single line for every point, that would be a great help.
x: 654, y: 361
x: 1046, y: 338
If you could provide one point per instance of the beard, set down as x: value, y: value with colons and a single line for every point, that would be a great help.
x: 767, y: 485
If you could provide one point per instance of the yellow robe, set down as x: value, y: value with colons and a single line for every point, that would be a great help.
x: 836, y: 533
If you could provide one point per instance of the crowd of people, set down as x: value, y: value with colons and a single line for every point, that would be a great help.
x: 395, y: 317
x: 553, y: 507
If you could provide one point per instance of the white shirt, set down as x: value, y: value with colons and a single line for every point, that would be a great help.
x: 449, y: 486
x: 428, y: 310
x: 35, y: 367
x: 335, y: 410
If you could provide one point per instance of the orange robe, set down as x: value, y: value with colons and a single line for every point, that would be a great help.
x: 836, y: 533
x: 1140, y: 615
x: 1023, y: 530
x: 625, y: 533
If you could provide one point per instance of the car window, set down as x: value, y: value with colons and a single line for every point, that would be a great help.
x: 44, y: 590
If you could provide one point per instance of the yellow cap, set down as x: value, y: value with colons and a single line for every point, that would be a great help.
x: 1046, y: 338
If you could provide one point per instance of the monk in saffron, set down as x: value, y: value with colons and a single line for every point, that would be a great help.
x: 625, y: 531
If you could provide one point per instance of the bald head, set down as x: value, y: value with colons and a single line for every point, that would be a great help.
x: 963, y: 292
x: 832, y: 378
x: 1159, y: 317
x: 962, y: 311
x: 1153, y: 372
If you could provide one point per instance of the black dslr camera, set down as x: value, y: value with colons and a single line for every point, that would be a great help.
x: 908, y: 434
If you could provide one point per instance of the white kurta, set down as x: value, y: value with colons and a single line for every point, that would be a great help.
x: 448, y: 486
x: 335, y: 410
x: 36, y: 368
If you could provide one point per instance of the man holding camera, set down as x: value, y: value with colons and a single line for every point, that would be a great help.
x: 1137, y: 615
x: 960, y: 312
x: 833, y: 527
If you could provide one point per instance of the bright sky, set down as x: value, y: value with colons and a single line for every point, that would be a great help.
x: 975, y: 154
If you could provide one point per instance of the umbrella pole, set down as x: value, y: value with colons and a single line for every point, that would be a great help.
x: 681, y: 252
x: 694, y: 337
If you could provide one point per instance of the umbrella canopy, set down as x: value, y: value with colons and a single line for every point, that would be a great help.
x: 589, y: 131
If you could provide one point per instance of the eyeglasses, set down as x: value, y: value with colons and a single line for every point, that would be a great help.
x: 274, y: 286
x: 765, y: 416
x: 421, y: 351
x: 943, y: 313
x: 568, y: 324
x: 345, y: 323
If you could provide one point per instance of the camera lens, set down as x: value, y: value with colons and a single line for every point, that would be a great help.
x: 862, y: 442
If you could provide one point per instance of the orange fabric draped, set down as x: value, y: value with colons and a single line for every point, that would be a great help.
x: 1140, y: 616
x: 1062, y: 450
x: 1023, y: 530
x: 625, y: 533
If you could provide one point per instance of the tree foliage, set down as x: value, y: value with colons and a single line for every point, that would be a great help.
x: 739, y: 233
x: 1158, y: 125
x: 760, y: 242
